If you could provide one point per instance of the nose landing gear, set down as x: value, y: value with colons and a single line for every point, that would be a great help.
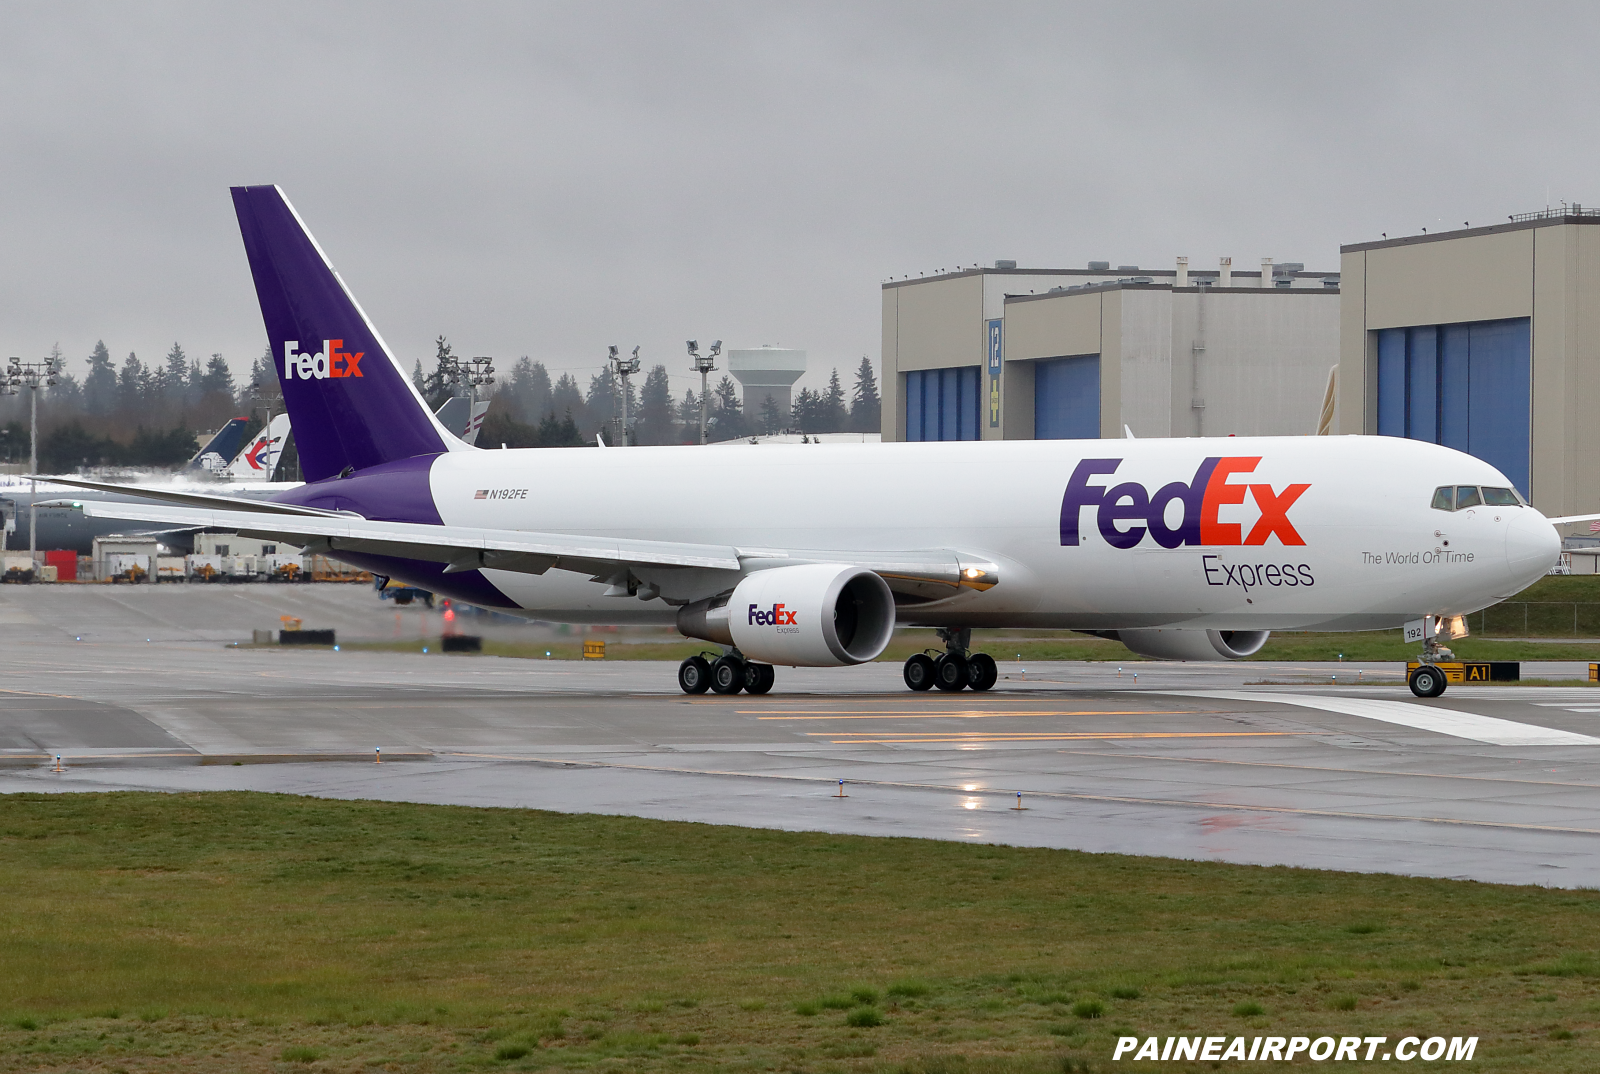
x: 957, y: 668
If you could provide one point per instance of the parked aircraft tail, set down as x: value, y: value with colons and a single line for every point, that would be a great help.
x: 260, y: 457
x: 463, y: 416
x: 353, y: 405
x: 213, y: 458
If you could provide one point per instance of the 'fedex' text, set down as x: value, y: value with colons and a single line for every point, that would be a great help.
x: 331, y: 361
x: 1201, y: 498
x: 776, y: 616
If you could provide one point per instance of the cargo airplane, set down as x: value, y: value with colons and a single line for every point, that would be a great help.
x: 1182, y: 549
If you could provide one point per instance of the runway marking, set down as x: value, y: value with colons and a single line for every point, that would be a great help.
x: 1466, y: 725
x: 1325, y: 768
x: 970, y: 714
x: 1116, y: 799
x: 1041, y: 736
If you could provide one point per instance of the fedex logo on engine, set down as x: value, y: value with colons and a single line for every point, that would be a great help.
x: 1201, y: 499
x: 331, y: 361
x: 777, y: 616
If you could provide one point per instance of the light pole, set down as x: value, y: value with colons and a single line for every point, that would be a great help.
x: 625, y: 368
x: 704, y: 364
x: 32, y: 375
x: 467, y: 373
x: 258, y: 391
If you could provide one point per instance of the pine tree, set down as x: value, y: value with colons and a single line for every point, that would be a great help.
x: 602, y: 409
x: 771, y: 416
x: 654, y: 422
x: 831, y: 417
x: 416, y: 379
x: 565, y: 398
x: 440, y: 385
x: 725, y: 409
x: 100, y: 386
x: 173, y: 381
x: 264, y: 377
x: 689, y: 418
x: 866, y: 409
x: 133, y: 385
x: 217, y: 381
x: 807, y: 411
x: 527, y: 390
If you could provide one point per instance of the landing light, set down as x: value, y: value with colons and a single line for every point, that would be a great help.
x: 973, y: 572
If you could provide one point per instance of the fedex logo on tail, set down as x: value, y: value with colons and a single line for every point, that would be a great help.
x: 1211, y: 489
x: 331, y: 361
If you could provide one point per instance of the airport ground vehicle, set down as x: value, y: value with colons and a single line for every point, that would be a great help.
x: 1188, y: 549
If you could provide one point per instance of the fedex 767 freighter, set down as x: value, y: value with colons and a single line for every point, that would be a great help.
x: 1187, y: 549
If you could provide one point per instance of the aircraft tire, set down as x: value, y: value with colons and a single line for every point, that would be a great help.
x: 694, y: 675
x: 1427, y: 681
x: 758, y: 678
x: 727, y: 675
x: 919, y: 672
x: 981, y: 672
x: 950, y: 673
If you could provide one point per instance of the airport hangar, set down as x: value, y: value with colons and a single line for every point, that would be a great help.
x: 1485, y: 339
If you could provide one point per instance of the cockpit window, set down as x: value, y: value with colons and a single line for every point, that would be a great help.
x: 1459, y: 497
x: 1501, y: 498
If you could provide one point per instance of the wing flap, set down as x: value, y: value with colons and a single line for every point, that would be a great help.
x: 499, y: 549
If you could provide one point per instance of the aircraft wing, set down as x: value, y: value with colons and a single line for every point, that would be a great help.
x: 189, y: 498
x: 918, y: 574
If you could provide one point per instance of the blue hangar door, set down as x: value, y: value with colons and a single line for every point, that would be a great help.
x: 943, y: 404
x: 1466, y: 386
x: 1066, y: 398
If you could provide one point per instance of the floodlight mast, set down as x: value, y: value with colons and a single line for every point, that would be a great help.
x: 704, y: 364
x: 624, y: 368
x: 468, y: 373
x: 33, y: 375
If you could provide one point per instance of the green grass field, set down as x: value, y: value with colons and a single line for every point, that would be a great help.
x: 228, y: 932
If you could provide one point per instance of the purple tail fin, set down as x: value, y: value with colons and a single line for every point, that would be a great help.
x: 351, y: 403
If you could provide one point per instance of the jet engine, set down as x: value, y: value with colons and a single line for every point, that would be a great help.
x: 1161, y: 643
x: 813, y: 615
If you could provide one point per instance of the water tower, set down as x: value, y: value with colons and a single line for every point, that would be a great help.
x: 764, y: 372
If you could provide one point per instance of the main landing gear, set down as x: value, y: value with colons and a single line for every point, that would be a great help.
x: 957, y: 668
x: 726, y: 674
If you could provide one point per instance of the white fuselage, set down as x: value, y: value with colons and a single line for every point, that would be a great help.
x: 1375, y: 552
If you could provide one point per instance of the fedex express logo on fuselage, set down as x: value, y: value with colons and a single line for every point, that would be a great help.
x: 331, y: 361
x: 1211, y: 489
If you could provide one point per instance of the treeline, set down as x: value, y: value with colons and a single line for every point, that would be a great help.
x: 529, y: 410
x: 134, y: 414
x: 150, y: 414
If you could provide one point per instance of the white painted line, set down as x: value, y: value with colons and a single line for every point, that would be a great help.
x: 1468, y: 725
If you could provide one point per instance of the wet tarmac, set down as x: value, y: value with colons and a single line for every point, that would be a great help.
x: 1322, y: 766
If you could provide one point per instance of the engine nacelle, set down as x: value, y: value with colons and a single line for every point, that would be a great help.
x: 1162, y: 643
x: 813, y: 615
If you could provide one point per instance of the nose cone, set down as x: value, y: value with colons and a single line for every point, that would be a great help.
x: 1532, y: 547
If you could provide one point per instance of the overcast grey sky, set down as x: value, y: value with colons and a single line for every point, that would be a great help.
x: 547, y: 179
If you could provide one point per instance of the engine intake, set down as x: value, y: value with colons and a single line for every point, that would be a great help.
x: 812, y: 615
x: 1162, y: 643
